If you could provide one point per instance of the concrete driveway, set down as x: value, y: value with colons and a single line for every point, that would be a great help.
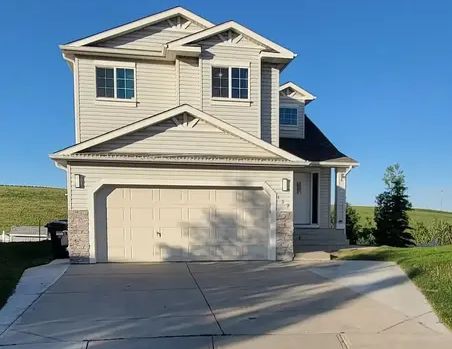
x: 229, y: 305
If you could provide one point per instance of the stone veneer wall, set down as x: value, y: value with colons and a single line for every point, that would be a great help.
x: 284, y: 236
x: 78, y: 236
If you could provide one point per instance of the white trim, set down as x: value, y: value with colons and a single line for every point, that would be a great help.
x: 114, y: 52
x: 116, y: 65
x: 143, y: 22
x: 181, y: 183
x: 185, y: 108
x: 305, y: 95
x: 230, y: 66
x: 237, y: 27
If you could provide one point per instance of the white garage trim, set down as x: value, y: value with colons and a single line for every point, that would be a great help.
x: 182, y: 183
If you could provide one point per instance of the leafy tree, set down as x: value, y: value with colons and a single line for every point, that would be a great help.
x: 352, y: 226
x: 391, y: 212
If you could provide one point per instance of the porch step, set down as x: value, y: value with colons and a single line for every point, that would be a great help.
x: 320, y: 240
x: 325, y: 247
x: 312, y: 256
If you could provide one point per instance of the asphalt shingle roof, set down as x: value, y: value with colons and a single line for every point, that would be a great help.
x: 314, y: 147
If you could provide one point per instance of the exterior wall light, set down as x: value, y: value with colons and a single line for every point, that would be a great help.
x: 79, y: 181
x: 285, y: 184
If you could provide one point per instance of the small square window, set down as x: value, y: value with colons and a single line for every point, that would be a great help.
x: 225, y: 79
x: 288, y: 116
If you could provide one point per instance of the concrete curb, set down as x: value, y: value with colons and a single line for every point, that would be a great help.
x: 33, y: 283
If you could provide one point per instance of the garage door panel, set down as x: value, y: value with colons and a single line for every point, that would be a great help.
x: 227, y: 252
x: 199, y: 196
x: 141, y: 217
x: 226, y: 197
x: 198, y: 234
x: 224, y: 235
x: 168, y: 224
x: 255, y: 217
x: 170, y: 215
x: 140, y: 197
x: 201, y: 252
x: 116, y: 216
x: 255, y: 251
x: 171, y: 195
x: 199, y: 216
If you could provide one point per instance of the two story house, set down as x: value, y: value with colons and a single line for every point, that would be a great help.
x: 188, y: 147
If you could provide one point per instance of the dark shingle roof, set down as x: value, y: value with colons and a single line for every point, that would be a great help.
x: 314, y: 147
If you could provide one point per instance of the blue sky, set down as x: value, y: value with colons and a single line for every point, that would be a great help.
x: 382, y: 72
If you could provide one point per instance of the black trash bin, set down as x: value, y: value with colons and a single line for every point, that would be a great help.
x: 58, y: 236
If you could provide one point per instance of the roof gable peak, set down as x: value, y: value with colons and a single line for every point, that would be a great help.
x: 141, y: 23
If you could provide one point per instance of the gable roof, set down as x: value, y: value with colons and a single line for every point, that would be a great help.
x: 232, y: 25
x: 316, y: 147
x: 185, y: 108
x: 308, y: 97
x: 140, y: 23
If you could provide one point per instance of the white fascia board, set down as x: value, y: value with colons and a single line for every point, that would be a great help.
x: 114, y: 52
x: 306, y: 95
x: 185, y: 108
x: 237, y: 27
x: 335, y: 164
x: 143, y: 22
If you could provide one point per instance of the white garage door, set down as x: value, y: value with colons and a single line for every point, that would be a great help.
x: 159, y: 224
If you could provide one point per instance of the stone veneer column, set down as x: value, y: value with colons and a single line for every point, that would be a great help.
x: 284, y: 236
x: 78, y: 236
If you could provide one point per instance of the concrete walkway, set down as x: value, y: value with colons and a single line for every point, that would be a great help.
x: 33, y: 283
x: 230, y: 305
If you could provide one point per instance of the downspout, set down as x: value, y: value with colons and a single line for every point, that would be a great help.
x: 73, y: 65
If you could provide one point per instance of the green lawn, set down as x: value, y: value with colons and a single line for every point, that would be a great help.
x: 430, y: 268
x: 30, y: 205
x: 15, y: 257
x: 416, y: 215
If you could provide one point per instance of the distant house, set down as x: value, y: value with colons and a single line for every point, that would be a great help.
x: 188, y: 147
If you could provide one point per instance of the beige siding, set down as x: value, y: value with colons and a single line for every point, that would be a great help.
x: 155, y: 92
x: 152, y: 37
x: 242, y: 114
x: 270, y: 103
x: 189, y: 81
x: 167, y: 138
x: 95, y: 174
x: 292, y: 131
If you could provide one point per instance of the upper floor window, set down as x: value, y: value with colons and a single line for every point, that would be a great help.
x: 230, y: 82
x: 116, y: 83
x: 288, y: 116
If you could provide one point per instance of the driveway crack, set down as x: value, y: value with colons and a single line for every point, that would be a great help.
x: 205, y: 298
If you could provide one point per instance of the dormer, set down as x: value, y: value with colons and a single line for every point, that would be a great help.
x: 292, y: 102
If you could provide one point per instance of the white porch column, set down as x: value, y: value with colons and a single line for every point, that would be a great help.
x: 340, y: 199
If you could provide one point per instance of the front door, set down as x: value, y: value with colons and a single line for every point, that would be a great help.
x: 302, y: 198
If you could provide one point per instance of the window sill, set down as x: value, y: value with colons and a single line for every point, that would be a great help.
x: 230, y: 101
x: 117, y: 102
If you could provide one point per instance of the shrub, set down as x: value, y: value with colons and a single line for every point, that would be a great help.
x: 352, y: 227
x: 366, y: 234
x: 438, y: 233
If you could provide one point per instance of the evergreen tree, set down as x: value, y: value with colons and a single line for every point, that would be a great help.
x: 352, y: 226
x: 391, y: 211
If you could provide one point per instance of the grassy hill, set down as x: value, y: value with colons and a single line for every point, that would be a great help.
x: 416, y: 215
x: 30, y: 205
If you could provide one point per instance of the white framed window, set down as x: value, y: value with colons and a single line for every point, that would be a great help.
x: 288, y: 116
x: 115, y: 82
x: 229, y: 82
